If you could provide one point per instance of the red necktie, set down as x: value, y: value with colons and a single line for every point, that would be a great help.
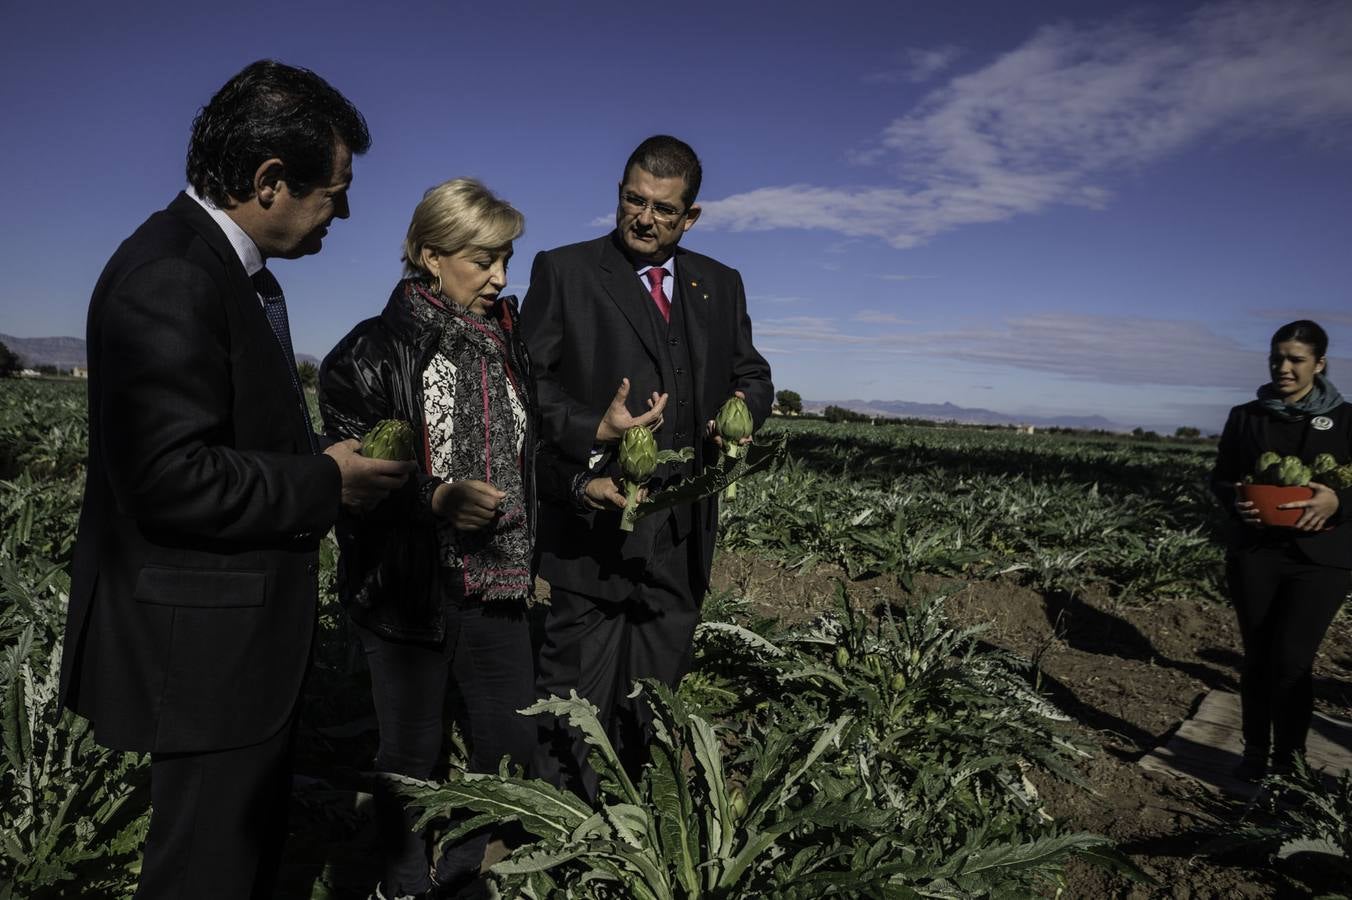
x: 655, y: 275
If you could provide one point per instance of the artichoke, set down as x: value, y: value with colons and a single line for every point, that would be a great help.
x: 1291, y: 472
x: 1324, y: 462
x: 638, y: 455
x: 733, y: 423
x: 638, y: 460
x: 1265, y: 462
x: 389, y: 439
x: 1339, y: 478
x: 737, y: 801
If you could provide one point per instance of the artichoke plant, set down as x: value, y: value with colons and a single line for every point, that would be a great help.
x: 733, y: 423
x: 638, y: 460
x: 389, y: 439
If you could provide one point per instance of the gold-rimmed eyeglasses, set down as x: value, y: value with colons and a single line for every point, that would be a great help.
x: 663, y: 213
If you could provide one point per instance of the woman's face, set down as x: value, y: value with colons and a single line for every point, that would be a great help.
x: 471, y: 278
x: 1293, y: 365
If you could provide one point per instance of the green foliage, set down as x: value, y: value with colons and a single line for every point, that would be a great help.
x: 10, y: 363
x: 74, y: 811
x: 1302, y: 814
x: 790, y: 403
x: 1057, y: 513
x: 837, y: 414
x: 848, y: 758
x: 308, y: 373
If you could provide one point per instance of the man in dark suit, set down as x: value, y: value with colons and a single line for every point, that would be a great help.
x: 194, y: 577
x: 628, y: 316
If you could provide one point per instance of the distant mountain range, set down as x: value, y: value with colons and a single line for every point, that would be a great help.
x: 69, y: 352
x: 62, y: 352
x: 949, y: 412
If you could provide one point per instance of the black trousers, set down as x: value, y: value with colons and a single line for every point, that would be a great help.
x: 599, y: 648
x: 218, y: 821
x: 487, y: 654
x: 1285, y: 604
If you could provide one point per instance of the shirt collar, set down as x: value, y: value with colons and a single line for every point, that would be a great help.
x: 243, y: 245
x: 669, y: 265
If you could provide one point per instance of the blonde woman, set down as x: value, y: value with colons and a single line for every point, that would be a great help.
x: 439, y: 577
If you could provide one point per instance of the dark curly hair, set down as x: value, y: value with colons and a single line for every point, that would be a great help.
x: 668, y: 157
x: 270, y: 110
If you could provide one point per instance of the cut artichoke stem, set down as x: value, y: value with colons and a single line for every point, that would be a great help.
x: 630, y: 513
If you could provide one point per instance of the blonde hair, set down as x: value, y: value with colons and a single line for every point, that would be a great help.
x: 457, y: 214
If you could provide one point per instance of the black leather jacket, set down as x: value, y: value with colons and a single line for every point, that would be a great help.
x: 388, y: 569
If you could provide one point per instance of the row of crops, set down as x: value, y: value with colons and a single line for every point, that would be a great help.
x: 1059, y: 513
x: 869, y: 753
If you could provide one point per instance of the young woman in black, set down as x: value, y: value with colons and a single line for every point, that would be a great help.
x: 1286, y: 583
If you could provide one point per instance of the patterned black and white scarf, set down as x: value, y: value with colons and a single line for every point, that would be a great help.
x: 475, y: 411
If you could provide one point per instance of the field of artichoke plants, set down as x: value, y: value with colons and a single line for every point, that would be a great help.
x: 882, y: 704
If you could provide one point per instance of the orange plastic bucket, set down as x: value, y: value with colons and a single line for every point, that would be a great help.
x: 1268, y: 496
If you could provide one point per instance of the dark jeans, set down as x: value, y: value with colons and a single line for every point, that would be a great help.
x: 599, y: 648
x: 1285, y: 604
x: 487, y: 654
x: 218, y: 821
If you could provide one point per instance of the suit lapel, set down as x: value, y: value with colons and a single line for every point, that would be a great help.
x: 210, y: 232
x: 255, y: 321
x: 693, y: 293
x: 622, y: 286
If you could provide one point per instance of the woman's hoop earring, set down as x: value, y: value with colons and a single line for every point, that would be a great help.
x: 439, y: 290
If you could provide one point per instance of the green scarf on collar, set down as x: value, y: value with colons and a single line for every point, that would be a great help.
x: 1322, y: 399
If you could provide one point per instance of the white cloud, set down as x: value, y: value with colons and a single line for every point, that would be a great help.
x: 1042, y: 124
x: 874, y: 317
x: 1104, y: 350
x: 918, y: 64
x: 1325, y: 317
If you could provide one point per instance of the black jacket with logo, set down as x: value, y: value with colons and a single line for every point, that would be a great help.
x: 1251, y: 431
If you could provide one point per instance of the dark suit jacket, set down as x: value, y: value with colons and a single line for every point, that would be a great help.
x: 587, y: 324
x: 1249, y: 432
x: 194, y: 577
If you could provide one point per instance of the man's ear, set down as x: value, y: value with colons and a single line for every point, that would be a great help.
x: 269, y: 178
x: 691, y: 215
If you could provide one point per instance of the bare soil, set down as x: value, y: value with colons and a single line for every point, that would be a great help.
x: 1127, y: 676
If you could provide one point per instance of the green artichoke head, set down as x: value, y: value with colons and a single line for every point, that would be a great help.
x: 1266, y: 461
x: 734, y: 420
x: 1291, y: 472
x: 389, y: 439
x: 638, y: 454
x: 1324, y: 462
x: 1338, y: 479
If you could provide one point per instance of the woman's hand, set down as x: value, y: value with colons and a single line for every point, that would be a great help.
x: 617, y: 419
x: 1317, y: 510
x: 1247, y: 510
x: 470, y: 505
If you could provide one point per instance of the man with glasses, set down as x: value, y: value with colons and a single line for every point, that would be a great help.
x: 629, y: 329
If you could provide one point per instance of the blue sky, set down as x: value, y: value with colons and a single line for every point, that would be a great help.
x: 1036, y: 207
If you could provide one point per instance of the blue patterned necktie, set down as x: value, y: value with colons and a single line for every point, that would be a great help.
x: 274, y: 306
